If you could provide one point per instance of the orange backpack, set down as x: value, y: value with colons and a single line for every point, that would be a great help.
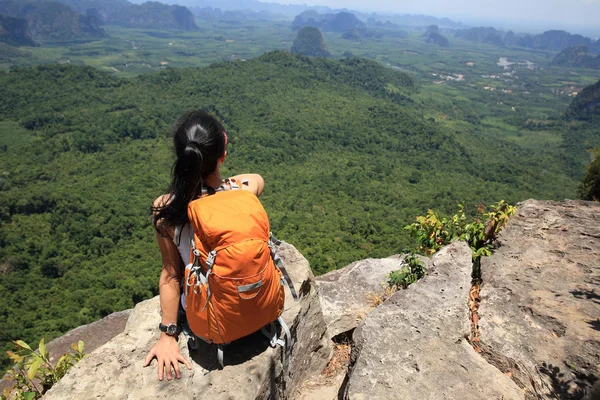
x: 233, y: 285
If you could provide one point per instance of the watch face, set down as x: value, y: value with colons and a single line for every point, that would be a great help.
x: 171, y: 329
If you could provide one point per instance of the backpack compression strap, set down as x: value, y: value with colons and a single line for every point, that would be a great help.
x: 196, y: 270
x: 273, y: 242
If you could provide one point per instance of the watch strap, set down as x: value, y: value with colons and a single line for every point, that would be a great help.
x: 171, y: 329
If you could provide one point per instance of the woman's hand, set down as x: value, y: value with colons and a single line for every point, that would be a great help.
x: 255, y: 183
x: 166, y: 351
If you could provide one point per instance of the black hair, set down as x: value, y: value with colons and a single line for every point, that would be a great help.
x: 199, y: 142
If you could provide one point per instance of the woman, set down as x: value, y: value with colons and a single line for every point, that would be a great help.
x: 200, y: 146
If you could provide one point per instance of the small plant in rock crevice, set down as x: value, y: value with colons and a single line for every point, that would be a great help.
x: 412, y: 270
x: 33, y: 373
x: 433, y: 232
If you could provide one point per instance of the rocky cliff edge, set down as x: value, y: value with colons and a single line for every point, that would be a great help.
x: 252, y: 369
x: 539, y: 328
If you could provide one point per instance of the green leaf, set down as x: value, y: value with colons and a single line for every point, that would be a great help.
x: 22, y: 344
x: 42, y: 348
x: 80, y: 346
x: 29, y: 395
x: 63, y: 359
x: 33, y: 368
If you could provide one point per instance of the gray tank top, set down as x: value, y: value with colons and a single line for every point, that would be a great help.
x: 181, y: 238
x: 182, y: 241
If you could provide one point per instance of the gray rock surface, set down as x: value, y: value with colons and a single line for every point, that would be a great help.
x: 413, y: 346
x: 93, y: 335
x: 349, y: 294
x: 252, y: 369
x: 539, y: 317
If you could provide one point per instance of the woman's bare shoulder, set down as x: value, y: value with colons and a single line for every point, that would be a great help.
x: 162, y: 228
x: 161, y: 201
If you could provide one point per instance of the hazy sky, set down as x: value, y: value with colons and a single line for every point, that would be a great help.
x: 566, y: 13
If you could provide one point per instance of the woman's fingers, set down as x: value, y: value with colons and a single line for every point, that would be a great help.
x: 184, y: 361
x: 149, y: 357
x: 176, y: 368
x: 167, y: 363
x: 161, y: 368
x: 174, y: 364
x: 169, y: 373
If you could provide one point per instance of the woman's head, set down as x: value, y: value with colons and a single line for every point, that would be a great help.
x: 200, y: 146
x: 199, y: 134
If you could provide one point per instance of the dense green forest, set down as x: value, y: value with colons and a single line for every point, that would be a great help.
x: 351, y: 152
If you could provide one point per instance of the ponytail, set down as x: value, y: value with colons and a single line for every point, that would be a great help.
x: 199, y: 143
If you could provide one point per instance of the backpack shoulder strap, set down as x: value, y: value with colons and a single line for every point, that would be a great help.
x: 228, y: 184
x: 232, y: 184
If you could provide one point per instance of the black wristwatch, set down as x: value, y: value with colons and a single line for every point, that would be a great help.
x: 171, y: 329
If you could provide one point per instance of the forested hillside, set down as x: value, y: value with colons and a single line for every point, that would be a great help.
x: 348, y: 157
x: 577, y: 57
x: 15, y: 32
x: 586, y: 106
x: 309, y: 42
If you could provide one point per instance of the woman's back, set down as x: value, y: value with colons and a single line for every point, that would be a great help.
x: 200, y: 144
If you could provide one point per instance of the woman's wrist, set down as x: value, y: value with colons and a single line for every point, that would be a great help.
x: 164, y: 336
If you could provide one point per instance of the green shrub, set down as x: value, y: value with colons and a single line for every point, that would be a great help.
x: 413, y: 269
x: 589, y: 188
x: 33, y: 373
x: 433, y: 231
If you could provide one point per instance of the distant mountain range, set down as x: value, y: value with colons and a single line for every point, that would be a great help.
x: 553, y: 40
x: 349, y: 22
x: 556, y: 40
x: 150, y: 14
x: 76, y: 19
x: 289, y: 10
x: 46, y: 20
x: 217, y: 14
x: 577, y: 57
x: 23, y: 22
x: 340, y: 22
x: 269, y: 10
x: 414, y: 20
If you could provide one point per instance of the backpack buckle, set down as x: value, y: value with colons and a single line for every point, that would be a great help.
x: 210, y: 261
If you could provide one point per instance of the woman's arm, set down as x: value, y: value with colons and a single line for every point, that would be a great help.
x: 256, y: 184
x: 166, y: 350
